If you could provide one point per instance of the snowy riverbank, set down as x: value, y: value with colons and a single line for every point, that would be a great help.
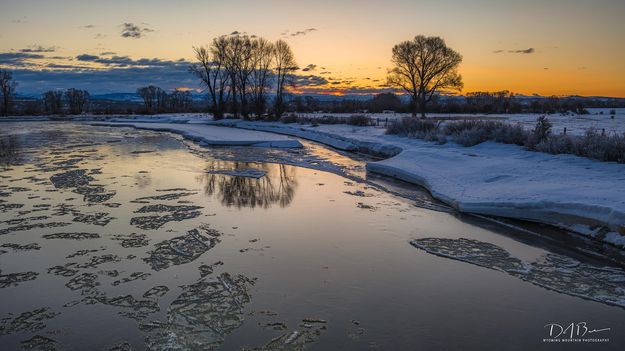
x: 211, y: 135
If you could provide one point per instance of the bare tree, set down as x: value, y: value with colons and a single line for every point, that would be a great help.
x: 211, y: 71
x: 162, y: 100
x: 53, y: 102
x: 284, y: 66
x: 77, y: 100
x: 153, y: 98
x: 180, y: 100
x: 239, y: 56
x: 263, y: 53
x: 7, y: 88
x: 422, y: 67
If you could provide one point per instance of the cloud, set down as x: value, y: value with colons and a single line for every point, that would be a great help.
x: 308, y: 80
x: 526, y: 51
x: 87, y: 57
x: 131, y: 30
x: 523, y: 51
x: 303, y: 32
x: 310, y: 67
x: 20, y: 20
x: 39, y: 48
x: 88, y: 26
x: 18, y: 59
x: 99, y: 36
x: 125, y: 61
x: 166, y: 74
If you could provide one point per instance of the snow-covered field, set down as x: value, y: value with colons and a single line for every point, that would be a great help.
x: 598, y: 118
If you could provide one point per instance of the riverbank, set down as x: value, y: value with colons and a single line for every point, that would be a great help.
x: 212, y: 135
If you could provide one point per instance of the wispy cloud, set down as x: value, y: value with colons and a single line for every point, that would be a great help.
x: 310, y: 67
x: 526, y: 51
x: 17, y: 59
x: 131, y: 30
x: 302, y: 32
x: 39, y: 48
x: 125, y: 61
x: 520, y: 51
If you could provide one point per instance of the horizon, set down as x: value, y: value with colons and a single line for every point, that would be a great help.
x: 572, y: 48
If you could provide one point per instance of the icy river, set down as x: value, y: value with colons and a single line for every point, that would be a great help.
x: 118, y: 239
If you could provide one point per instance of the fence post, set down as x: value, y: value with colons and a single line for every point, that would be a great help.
x: 564, y: 130
x: 602, y: 131
x: 386, y: 122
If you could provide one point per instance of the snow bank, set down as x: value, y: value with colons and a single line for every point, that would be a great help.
x: 210, y: 134
x: 576, y: 193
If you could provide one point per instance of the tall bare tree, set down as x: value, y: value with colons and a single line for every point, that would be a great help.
x: 77, y: 100
x: 284, y: 66
x: 422, y: 67
x: 263, y: 53
x: 7, y: 89
x: 210, y: 69
x: 154, y: 98
x: 53, y: 102
x: 180, y: 100
x: 240, y: 63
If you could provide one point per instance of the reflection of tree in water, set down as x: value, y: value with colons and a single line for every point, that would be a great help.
x: 277, y: 186
x: 9, y: 150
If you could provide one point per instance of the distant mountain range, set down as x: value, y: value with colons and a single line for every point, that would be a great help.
x: 133, y: 97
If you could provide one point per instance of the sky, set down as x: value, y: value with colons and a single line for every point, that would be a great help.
x: 548, y: 47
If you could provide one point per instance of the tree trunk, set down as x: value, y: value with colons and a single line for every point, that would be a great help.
x: 422, y: 106
x: 413, y: 106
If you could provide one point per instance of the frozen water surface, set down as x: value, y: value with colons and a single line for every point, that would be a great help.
x: 118, y: 239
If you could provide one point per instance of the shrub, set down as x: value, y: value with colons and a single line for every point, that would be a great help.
x: 410, y: 126
x: 329, y: 120
x: 290, y: 118
x: 359, y: 120
x: 540, y: 133
x: 469, y: 133
x: 593, y: 144
x: 471, y: 137
x: 510, y: 134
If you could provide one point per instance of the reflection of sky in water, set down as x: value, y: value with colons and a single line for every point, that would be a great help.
x: 297, y: 244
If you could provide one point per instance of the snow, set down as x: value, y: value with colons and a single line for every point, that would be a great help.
x: 490, y: 178
x: 210, y: 134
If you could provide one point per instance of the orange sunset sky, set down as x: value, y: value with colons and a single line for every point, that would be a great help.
x: 550, y: 47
